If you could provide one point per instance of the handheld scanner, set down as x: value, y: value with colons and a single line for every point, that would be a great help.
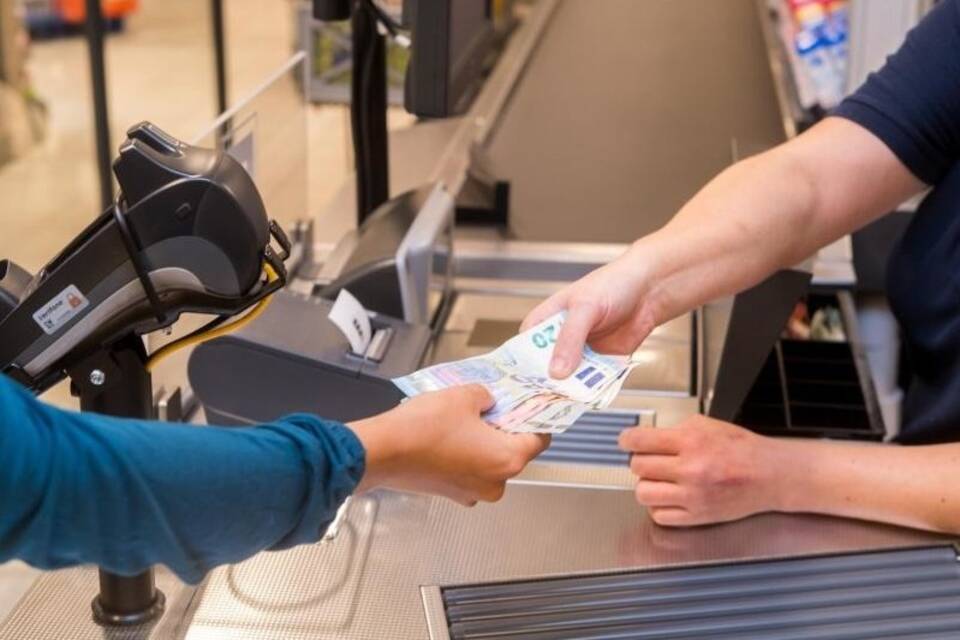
x: 188, y: 233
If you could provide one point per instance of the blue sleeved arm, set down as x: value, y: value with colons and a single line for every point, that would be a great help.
x: 124, y: 494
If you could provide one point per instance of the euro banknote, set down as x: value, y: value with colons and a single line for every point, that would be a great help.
x: 526, y: 397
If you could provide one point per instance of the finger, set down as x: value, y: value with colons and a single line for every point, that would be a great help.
x: 532, y: 444
x: 670, y: 516
x: 551, y: 306
x: 580, y: 321
x: 664, y: 468
x: 659, y: 494
x: 650, y: 440
x: 526, y: 447
x: 479, y: 397
x: 494, y: 493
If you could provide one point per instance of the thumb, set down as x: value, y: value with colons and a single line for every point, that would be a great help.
x: 530, y: 444
x: 580, y: 321
x: 478, y: 397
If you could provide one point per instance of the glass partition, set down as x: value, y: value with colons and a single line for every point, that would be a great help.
x: 267, y: 133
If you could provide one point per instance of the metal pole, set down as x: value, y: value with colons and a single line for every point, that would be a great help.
x: 94, y: 30
x: 219, y: 53
x: 368, y: 111
x: 117, y: 383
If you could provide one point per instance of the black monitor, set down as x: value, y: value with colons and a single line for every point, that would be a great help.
x: 452, y: 46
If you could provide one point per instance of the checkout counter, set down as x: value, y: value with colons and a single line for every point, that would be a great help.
x: 567, y: 553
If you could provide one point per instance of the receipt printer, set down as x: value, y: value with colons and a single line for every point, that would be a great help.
x: 294, y: 359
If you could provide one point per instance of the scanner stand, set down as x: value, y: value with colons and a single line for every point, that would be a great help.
x: 115, y: 382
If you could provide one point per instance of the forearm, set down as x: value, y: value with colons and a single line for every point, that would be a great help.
x: 769, y: 212
x: 910, y: 486
x: 77, y: 488
x: 754, y: 218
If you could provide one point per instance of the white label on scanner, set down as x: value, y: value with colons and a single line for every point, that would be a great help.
x: 64, y: 307
x: 353, y: 320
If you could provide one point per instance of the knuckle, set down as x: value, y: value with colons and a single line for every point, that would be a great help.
x: 495, y: 493
x: 697, y: 471
x: 515, y: 466
x: 642, y: 494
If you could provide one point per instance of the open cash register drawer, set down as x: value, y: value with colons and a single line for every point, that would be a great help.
x: 816, y: 387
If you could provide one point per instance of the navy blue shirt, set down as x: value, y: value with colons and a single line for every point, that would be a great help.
x: 913, y: 105
x: 126, y: 494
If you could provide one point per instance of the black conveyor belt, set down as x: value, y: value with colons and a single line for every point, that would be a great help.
x: 626, y: 109
x: 911, y: 593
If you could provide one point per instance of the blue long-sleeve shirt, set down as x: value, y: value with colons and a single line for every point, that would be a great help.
x: 79, y: 488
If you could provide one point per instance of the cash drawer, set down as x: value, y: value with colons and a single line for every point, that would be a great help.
x: 909, y: 594
x: 816, y: 388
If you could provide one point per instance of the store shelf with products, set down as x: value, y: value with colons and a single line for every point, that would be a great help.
x: 807, y: 42
x: 52, y: 18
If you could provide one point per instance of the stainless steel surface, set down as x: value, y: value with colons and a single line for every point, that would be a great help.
x: 540, y: 261
x: 366, y: 583
x: 432, y: 229
x: 57, y: 607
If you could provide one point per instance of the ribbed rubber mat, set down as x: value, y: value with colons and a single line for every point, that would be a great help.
x: 904, y: 594
x: 591, y: 440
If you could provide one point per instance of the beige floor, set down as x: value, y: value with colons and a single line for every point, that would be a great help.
x: 159, y: 69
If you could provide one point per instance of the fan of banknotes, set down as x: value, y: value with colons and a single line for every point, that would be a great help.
x: 527, y: 399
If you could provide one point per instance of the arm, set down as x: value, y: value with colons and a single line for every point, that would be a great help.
x: 709, y: 471
x: 123, y: 494
x: 897, y: 133
x: 764, y: 213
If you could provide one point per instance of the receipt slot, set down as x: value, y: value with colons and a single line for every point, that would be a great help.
x: 295, y: 359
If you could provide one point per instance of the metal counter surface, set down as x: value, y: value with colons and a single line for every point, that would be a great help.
x: 534, y: 531
x: 366, y: 583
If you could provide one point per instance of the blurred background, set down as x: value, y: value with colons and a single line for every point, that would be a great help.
x: 160, y: 66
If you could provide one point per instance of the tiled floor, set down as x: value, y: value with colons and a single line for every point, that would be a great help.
x: 160, y: 69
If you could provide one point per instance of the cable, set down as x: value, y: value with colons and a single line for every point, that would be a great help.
x: 385, y: 19
x: 214, y: 329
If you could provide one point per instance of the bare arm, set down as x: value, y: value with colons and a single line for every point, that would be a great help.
x: 764, y: 213
x: 910, y: 486
x: 705, y: 471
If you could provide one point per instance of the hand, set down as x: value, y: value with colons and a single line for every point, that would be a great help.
x: 611, y: 308
x: 437, y: 443
x: 703, y: 471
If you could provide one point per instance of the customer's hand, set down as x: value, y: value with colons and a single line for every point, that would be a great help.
x: 703, y: 471
x: 611, y: 308
x: 438, y: 443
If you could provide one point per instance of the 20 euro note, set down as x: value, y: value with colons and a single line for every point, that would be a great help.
x: 526, y: 398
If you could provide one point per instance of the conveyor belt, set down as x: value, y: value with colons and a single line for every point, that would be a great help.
x: 894, y: 594
x: 626, y: 109
x: 591, y: 440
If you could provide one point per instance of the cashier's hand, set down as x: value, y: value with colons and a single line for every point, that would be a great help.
x: 701, y: 471
x: 437, y: 443
x: 612, y: 308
